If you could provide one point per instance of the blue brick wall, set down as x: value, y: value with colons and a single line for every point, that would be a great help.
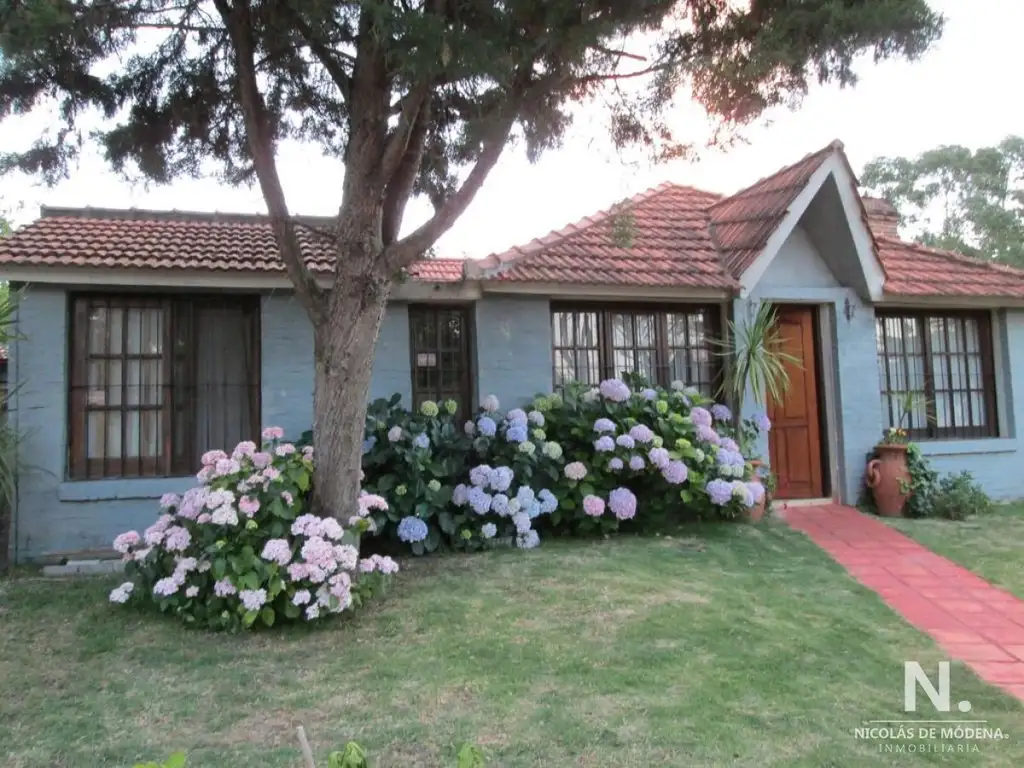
x: 58, y: 516
x: 513, y: 348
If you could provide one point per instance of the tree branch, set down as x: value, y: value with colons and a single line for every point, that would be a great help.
x: 239, y: 24
x: 323, y: 54
x: 398, y: 142
x: 399, y: 187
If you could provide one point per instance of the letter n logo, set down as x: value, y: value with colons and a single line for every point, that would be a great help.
x: 913, y: 675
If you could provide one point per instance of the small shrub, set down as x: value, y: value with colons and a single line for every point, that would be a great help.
x: 241, y: 549
x: 923, y: 483
x: 959, y: 496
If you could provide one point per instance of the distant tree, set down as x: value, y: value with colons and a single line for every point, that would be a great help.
x: 416, y: 97
x: 972, y: 202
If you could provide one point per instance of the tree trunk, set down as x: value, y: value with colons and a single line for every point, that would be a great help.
x: 344, y: 360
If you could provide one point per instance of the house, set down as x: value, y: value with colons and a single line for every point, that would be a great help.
x: 151, y: 337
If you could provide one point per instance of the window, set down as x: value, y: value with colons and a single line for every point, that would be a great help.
x: 157, y: 381
x: 440, y: 356
x: 941, y: 364
x: 663, y: 345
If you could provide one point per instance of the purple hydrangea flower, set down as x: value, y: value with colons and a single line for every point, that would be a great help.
x: 501, y: 479
x: 622, y: 503
x: 720, y: 492
x: 636, y: 463
x: 412, y: 529
x: 615, y: 464
x: 516, y: 415
x: 727, y: 458
x: 486, y: 426
x: 721, y: 412
x: 649, y: 394
x: 604, y: 444
x: 460, y: 495
x: 516, y: 434
x: 641, y: 433
x: 480, y: 475
x: 479, y: 500
x: 756, y: 491
x: 421, y: 441
x: 499, y: 504
x: 625, y: 441
x: 701, y: 416
x: 762, y: 421
x: 548, y: 502
x: 728, y: 444
x: 707, y: 434
x: 593, y: 505
x: 615, y: 390
x: 658, y: 457
x: 675, y: 472
x: 604, y: 425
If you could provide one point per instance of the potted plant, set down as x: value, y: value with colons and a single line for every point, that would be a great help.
x: 888, y: 476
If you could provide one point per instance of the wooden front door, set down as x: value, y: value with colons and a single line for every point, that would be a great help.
x: 439, y: 337
x: 794, y: 443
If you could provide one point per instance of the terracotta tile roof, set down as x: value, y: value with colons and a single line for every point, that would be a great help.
x: 95, y: 237
x: 743, y: 222
x: 670, y: 245
x: 915, y: 270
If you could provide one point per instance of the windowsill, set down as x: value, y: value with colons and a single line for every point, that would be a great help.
x: 119, y: 490
x: 983, y: 445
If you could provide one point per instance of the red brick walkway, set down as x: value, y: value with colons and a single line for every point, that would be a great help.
x: 972, y: 620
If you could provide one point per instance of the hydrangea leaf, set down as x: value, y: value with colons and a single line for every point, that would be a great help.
x: 268, y: 616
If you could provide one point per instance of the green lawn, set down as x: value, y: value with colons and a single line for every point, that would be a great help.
x: 991, y: 545
x: 745, y: 646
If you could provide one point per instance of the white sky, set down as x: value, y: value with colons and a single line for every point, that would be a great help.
x: 965, y: 91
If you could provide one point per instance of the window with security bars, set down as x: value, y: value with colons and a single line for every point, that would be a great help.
x: 158, y: 381
x: 664, y: 344
x: 941, y: 366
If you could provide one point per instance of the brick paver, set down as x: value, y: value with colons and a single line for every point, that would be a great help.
x: 973, y: 621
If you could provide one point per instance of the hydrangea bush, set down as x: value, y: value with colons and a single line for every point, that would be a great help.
x: 240, y: 549
x: 586, y: 461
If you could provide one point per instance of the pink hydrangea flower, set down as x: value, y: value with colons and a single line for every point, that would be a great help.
x: 169, y: 500
x: 312, y: 612
x: 225, y: 515
x: 203, y: 518
x: 593, y: 505
x: 261, y: 459
x: 253, y: 599
x: 193, y: 502
x: 125, y: 541
x: 298, y: 571
x: 576, y: 470
x: 285, y: 449
x: 347, y: 556
x: 622, y: 503
x: 166, y: 587
x: 177, y: 539
x: 331, y: 528
x: 368, y: 501
x: 224, y: 588
x: 219, y: 498
x: 271, y: 474
x: 204, y: 475
x: 367, y: 565
x: 122, y: 593
x: 140, y: 554
x: 277, y: 551
x: 320, y: 553
x: 192, y: 591
x: 301, y: 597
x: 306, y: 525
x: 153, y: 537
x: 288, y: 500
x: 244, y: 448
x: 316, y: 574
x: 226, y: 467
x: 248, y: 506
x: 210, y: 458
x: 386, y: 565
x: 273, y: 433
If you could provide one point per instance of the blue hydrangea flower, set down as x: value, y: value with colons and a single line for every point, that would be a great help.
x: 479, y: 500
x: 658, y: 457
x: 525, y: 495
x: 636, y: 463
x: 536, y: 418
x: 421, y: 441
x: 499, y: 504
x: 486, y: 426
x: 728, y: 444
x: 604, y: 425
x: 480, y: 475
x: 489, y: 530
x: 615, y: 464
x: 720, y: 492
x: 501, y: 479
x: 412, y: 529
x: 721, y: 412
x: 548, y: 502
x: 460, y: 495
x: 763, y: 423
x: 649, y: 394
x: 604, y: 444
x: 642, y: 434
x: 532, y: 509
x: 527, y: 540
x: 522, y: 522
x: 625, y: 441
x: 516, y: 415
x: 516, y: 434
x: 369, y: 443
x: 675, y: 472
x: 727, y: 458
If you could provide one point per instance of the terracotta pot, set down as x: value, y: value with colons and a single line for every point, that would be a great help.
x: 889, y: 479
x: 756, y: 513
